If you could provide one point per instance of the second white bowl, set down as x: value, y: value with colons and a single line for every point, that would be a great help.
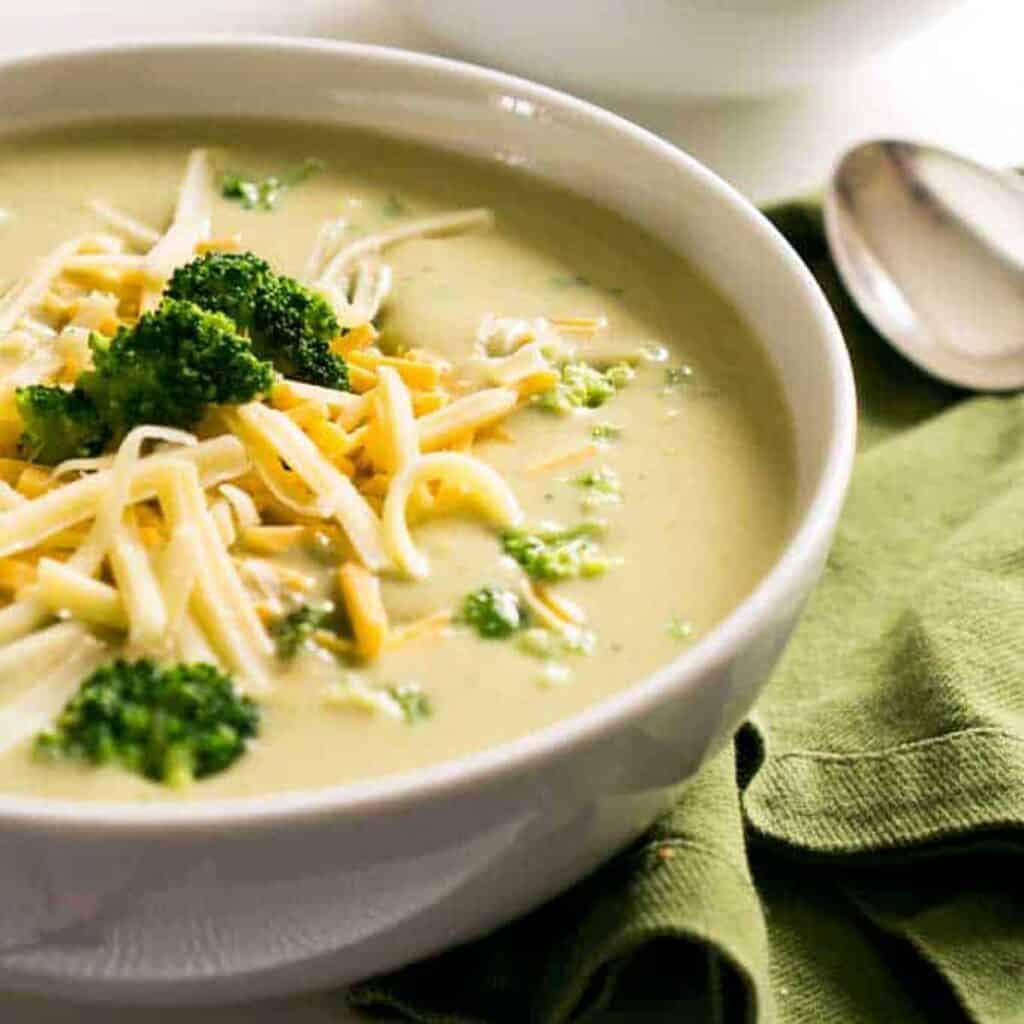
x: 671, y: 48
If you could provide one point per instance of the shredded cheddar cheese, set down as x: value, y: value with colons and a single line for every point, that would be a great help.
x: 172, y: 540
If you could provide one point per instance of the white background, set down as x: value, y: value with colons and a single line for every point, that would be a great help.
x: 960, y: 84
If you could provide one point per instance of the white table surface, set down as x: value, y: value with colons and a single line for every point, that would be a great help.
x: 961, y: 84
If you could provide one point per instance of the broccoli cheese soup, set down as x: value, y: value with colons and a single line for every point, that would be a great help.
x: 325, y: 456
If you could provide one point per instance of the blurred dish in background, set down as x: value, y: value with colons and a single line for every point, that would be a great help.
x: 671, y: 48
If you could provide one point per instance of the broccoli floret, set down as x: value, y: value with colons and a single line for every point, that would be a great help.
x: 294, y: 327
x: 223, y: 282
x: 677, y: 376
x: 583, y: 387
x: 288, y: 324
x: 59, y: 424
x: 413, y: 702
x: 170, y: 366
x: 605, y: 433
x: 165, y: 370
x: 619, y: 375
x: 293, y: 632
x: 494, y: 612
x: 555, y: 554
x: 172, y: 725
x: 264, y: 193
x: 551, y: 645
x: 601, y: 486
x: 679, y: 629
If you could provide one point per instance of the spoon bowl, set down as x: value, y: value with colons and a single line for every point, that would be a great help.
x: 930, y: 246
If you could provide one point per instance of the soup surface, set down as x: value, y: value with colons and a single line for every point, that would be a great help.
x: 622, y: 399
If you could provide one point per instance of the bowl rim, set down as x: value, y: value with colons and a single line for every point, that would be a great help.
x: 718, y: 646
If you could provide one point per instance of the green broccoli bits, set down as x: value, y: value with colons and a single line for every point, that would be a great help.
x: 414, y: 704
x: 494, y: 612
x: 171, y: 725
x: 583, y: 387
x: 265, y: 193
x: 600, y: 486
x: 557, y: 554
x: 294, y: 631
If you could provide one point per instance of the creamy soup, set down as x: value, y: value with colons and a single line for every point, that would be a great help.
x: 582, y: 425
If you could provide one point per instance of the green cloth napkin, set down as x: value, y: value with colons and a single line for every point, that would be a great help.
x: 858, y: 856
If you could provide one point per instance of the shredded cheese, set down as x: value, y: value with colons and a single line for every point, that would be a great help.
x: 397, y: 421
x: 28, y: 714
x: 178, y: 568
x: 192, y: 644
x: 139, y: 588
x: 524, y: 362
x: 476, y: 477
x: 139, y: 234
x: 110, y: 512
x: 566, y: 459
x: 66, y: 589
x: 337, y: 495
x: 27, y: 525
x: 15, y: 574
x: 219, y: 600
x: 441, y: 226
x: 372, y: 284
x: 9, y: 497
x: 224, y: 520
x: 360, y: 590
x: 39, y: 651
x: 22, y: 616
x: 433, y: 625
x: 324, y: 245
x: 244, y: 508
x: 288, y: 393
x: 190, y: 226
x: 270, y: 540
x: 471, y: 412
x: 22, y: 298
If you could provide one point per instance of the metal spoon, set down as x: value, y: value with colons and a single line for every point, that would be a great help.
x: 931, y: 247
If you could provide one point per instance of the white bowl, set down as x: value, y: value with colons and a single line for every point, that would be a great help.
x: 245, y: 898
x: 671, y: 48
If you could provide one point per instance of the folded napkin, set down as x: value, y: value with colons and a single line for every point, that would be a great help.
x: 859, y: 855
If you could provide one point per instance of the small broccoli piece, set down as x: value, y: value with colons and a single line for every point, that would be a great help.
x: 601, y: 486
x: 288, y: 323
x: 170, y: 366
x: 551, y: 645
x: 223, y: 282
x: 172, y: 725
x: 605, y: 433
x: 494, y: 612
x: 59, y: 424
x: 249, y: 192
x: 679, y: 629
x: 678, y: 376
x: 264, y: 193
x: 583, y: 387
x: 414, y: 703
x: 619, y: 375
x: 293, y: 632
x: 556, y: 554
